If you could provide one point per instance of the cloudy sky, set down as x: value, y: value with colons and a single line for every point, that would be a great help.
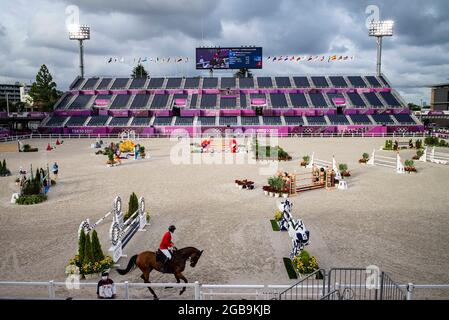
x: 34, y: 33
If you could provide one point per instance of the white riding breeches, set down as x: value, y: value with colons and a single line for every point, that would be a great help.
x: 167, y: 253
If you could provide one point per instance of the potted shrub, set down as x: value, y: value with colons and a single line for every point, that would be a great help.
x: 344, y: 170
x: 278, y: 215
x: 365, y: 158
x: 305, y: 263
x: 110, y: 161
x: 418, y: 144
x: 418, y: 155
x: 4, y: 171
x: 305, y: 161
x: 142, y: 152
x: 409, y: 166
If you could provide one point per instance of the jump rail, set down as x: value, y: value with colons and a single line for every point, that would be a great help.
x: 389, y: 162
x: 435, y: 157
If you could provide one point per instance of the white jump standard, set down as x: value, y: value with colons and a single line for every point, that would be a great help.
x: 120, y: 232
x: 389, y: 162
x: 435, y: 157
x: 314, y: 162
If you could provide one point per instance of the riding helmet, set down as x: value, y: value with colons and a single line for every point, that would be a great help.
x: 171, y: 228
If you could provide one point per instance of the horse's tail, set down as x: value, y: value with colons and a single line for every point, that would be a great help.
x: 131, y: 265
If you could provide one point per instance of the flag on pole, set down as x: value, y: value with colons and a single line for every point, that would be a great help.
x: 110, y: 60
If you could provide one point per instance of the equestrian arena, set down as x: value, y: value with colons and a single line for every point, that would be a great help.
x: 398, y: 222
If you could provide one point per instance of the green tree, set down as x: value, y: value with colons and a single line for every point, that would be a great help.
x: 414, y: 107
x: 139, y: 72
x: 81, y: 245
x: 43, y: 90
x: 243, y: 73
x: 88, y: 254
x: 96, y: 248
x: 133, y: 205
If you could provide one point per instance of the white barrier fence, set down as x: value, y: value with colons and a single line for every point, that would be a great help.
x: 325, y: 164
x: 200, y: 291
x: 389, y: 162
x: 435, y: 157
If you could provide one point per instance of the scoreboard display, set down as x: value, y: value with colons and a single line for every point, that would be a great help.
x: 229, y: 58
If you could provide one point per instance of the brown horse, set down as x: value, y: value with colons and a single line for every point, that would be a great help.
x: 146, y: 261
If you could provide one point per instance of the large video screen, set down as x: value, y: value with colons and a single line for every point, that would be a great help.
x: 229, y: 58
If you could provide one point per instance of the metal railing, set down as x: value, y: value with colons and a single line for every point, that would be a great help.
x: 198, y: 291
x: 312, y: 287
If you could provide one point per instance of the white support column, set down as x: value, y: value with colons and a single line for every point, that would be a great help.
x: 371, y: 160
x: 399, y: 166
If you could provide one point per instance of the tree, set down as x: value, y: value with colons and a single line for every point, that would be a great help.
x: 414, y: 107
x: 96, y: 248
x: 133, y: 205
x: 43, y: 90
x: 139, y: 72
x: 88, y: 255
x: 243, y: 73
x: 81, y: 246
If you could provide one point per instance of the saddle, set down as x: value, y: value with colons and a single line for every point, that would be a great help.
x: 165, y: 263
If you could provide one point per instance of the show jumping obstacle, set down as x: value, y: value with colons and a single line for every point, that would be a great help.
x: 389, y: 162
x: 318, y: 180
x: 296, y: 229
x: 120, y: 232
x: 435, y: 157
x: 325, y: 164
x: 128, y: 135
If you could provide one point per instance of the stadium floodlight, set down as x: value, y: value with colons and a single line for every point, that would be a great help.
x: 380, y: 29
x: 80, y: 33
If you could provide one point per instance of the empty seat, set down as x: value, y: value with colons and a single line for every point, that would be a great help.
x: 356, y: 100
x: 283, y: 82
x: 120, y: 101
x: 138, y: 83
x: 390, y: 99
x: 173, y: 83
x: 55, y: 121
x: 278, y: 100
x: 264, y: 82
x: 384, y: 81
x: 120, y: 83
x: 373, y: 99
x: 382, y: 118
x: 210, y: 83
x: 299, y: 100
x: 338, y: 82
x: 228, y: 103
x: 243, y: 100
x: 318, y: 100
x: 76, y: 121
x: 90, y: 84
x: 301, y: 82
x: 360, y: 119
x: 159, y: 101
x: 246, y: 83
x: 250, y: 121
x: 140, y: 101
x: 293, y: 120
x: 208, y: 101
x: 357, y: 82
x: 316, y: 120
x: 104, y: 84
x: 140, y: 121
x: 373, y: 81
x: 272, y: 121
x: 227, y: 121
x: 333, y: 96
x: 81, y: 102
x: 77, y: 83
x: 64, y: 101
x: 97, y: 121
x: 119, y: 122
x: 184, y: 121
x: 206, y: 121
x: 192, y: 83
x: 320, y: 82
x: 162, y: 121
x: 194, y: 100
x: 404, y: 119
x: 338, y: 119
x: 155, y: 83
x: 228, y: 82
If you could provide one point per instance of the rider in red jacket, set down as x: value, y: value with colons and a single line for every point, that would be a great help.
x: 166, y: 243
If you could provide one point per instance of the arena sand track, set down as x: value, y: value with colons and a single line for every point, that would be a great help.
x: 397, y: 222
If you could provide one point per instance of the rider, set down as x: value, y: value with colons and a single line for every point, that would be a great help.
x: 166, y: 244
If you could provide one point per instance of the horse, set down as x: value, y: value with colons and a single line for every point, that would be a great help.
x: 146, y: 261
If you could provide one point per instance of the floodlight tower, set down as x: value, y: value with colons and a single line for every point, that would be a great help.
x: 380, y: 29
x: 80, y: 33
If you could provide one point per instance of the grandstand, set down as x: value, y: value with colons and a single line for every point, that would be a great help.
x: 291, y: 104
